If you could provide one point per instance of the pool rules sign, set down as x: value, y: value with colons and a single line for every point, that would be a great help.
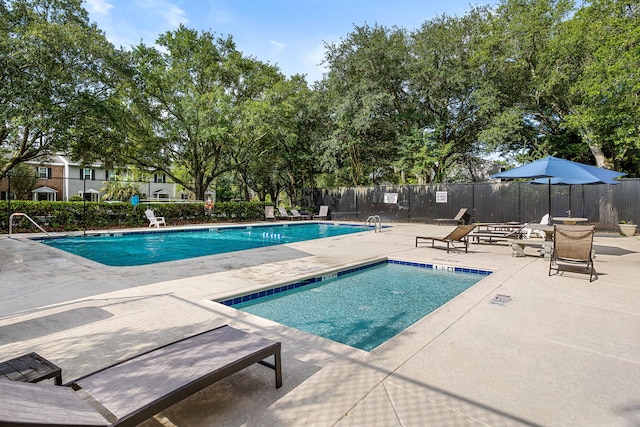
x: 441, y: 197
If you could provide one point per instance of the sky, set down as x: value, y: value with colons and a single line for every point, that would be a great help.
x: 290, y: 34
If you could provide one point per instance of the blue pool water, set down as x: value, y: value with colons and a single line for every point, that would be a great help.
x: 141, y: 248
x: 362, y: 307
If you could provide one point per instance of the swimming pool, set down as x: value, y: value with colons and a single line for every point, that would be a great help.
x: 142, y: 248
x: 362, y: 307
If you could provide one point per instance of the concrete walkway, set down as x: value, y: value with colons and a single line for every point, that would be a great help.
x: 561, y: 352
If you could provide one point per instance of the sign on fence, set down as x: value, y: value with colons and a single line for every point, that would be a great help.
x: 391, y: 198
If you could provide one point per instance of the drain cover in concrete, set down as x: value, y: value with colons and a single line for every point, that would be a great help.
x: 500, y: 299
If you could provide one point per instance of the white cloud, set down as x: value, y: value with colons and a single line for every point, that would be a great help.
x: 101, y: 7
x: 174, y: 15
x: 171, y: 14
x: 277, y: 46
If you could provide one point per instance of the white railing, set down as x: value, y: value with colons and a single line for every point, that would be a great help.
x: 375, y: 221
x: 29, y: 218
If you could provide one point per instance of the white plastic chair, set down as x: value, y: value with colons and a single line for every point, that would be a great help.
x: 543, y: 221
x: 154, y: 221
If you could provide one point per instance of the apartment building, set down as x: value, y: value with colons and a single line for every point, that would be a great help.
x: 59, y: 178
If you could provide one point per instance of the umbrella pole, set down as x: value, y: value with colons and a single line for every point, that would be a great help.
x: 549, y: 195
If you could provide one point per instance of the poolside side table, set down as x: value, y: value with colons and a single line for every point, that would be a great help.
x: 30, y: 368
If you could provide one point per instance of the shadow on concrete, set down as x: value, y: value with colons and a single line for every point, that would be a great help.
x: 45, y: 325
x: 611, y: 250
x: 46, y: 276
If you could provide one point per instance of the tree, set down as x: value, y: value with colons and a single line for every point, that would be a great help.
x: 23, y: 181
x: 566, y: 80
x: 58, y: 78
x: 188, y: 102
x: 256, y: 130
x: 603, y: 40
x: 514, y: 53
x: 366, y: 99
x: 119, y: 190
x: 452, y: 100
x: 292, y: 132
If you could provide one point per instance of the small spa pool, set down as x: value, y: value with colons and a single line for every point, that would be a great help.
x: 362, y: 307
x: 142, y: 248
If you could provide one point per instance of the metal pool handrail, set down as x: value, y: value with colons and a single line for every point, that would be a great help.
x: 26, y: 216
x: 375, y: 221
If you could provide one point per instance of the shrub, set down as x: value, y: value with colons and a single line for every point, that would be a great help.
x: 74, y: 216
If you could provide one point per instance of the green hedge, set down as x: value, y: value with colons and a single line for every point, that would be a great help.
x: 74, y: 216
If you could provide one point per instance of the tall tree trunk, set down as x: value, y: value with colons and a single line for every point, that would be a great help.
x: 596, y: 150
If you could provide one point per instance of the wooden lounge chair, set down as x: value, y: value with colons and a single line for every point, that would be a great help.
x: 129, y: 392
x: 154, y: 221
x: 459, y: 234
x: 572, y: 247
x: 323, y: 213
x: 462, y: 217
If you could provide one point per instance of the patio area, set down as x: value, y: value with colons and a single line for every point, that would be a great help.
x: 562, y: 351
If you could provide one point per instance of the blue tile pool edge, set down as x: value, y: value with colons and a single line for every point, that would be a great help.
x: 304, y: 282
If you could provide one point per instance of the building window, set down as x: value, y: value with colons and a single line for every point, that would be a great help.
x: 87, y: 173
x: 159, y: 178
x: 5, y: 195
x: 43, y: 172
x: 111, y: 175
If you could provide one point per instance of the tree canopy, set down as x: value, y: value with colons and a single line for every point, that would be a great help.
x: 58, y: 80
x: 523, y: 79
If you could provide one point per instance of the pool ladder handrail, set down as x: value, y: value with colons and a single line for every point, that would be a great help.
x: 29, y: 218
x: 375, y: 221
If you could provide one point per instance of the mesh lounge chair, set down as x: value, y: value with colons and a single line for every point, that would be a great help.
x: 283, y: 214
x: 269, y: 214
x: 573, y: 246
x: 154, y: 221
x: 297, y: 215
x: 323, y: 214
x: 459, y: 234
x: 497, y: 234
x: 462, y: 217
x: 129, y: 392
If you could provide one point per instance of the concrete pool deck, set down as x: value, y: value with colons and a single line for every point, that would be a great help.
x: 562, y: 351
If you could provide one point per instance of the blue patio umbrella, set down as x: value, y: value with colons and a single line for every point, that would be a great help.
x: 566, y: 170
x: 552, y: 170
